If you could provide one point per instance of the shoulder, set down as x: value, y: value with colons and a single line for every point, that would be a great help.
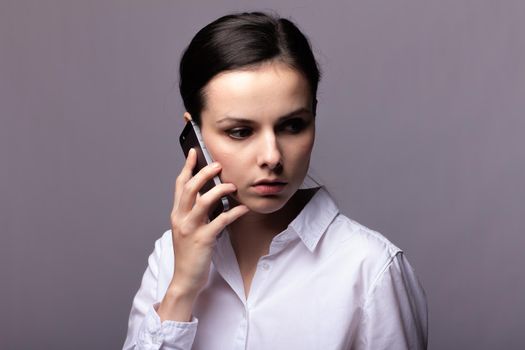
x: 162, y: 255
x: 359, y: 233
x: 356, y: 238
x: 164, y: 241
x: 162, y: 245
x: 357, y: 248
x: 348, y: 240
x: 161, y: 261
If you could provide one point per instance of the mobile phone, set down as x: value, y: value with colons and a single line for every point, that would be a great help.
x: 191, y: 138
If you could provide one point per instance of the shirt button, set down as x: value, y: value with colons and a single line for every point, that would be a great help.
x: 265, y: 266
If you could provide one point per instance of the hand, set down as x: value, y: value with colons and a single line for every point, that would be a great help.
x: 193, y: 235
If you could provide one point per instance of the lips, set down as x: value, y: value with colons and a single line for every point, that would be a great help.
x: 266, y: 187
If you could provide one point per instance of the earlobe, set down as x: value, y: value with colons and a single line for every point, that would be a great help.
x: 187, y: 117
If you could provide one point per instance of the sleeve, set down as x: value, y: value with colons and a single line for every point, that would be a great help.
x: 145, y: 330
x: 395, y: 311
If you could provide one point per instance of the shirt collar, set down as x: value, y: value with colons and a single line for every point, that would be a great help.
x: 314, y: 218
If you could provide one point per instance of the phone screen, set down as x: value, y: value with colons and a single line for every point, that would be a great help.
x: 191, y: 138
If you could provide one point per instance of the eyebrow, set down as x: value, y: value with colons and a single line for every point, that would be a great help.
x: 299, y: 111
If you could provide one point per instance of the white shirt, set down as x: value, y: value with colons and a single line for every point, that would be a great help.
x: 327, y: 283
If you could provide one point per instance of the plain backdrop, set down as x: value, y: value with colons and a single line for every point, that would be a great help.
x: 419, y: 136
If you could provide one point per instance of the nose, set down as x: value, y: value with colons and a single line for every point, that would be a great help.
x: 269, y: 153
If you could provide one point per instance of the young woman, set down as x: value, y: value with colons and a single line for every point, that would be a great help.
x: 284, y: 269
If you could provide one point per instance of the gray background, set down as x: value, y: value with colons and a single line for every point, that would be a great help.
x: 420, y: 136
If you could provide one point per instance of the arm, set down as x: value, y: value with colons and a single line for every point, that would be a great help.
x: 169, y: 323
x: 395, y: 311
x: 145, y: 329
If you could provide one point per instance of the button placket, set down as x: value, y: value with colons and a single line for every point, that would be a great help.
x: 242, y: 332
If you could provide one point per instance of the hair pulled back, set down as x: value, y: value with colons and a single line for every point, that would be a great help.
x: 239, y: 41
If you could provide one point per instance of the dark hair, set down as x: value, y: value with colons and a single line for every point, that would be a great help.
x: 239, y: 41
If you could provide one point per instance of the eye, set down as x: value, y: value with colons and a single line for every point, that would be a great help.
x: 294, y: 126
x: 239, y: 133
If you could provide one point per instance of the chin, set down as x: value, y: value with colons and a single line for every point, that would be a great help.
x: 265, y: 205
x: 264, y: 209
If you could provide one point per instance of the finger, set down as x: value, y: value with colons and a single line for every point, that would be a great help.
x: 208, y: 200
x: 193, y: 186
x: 226, y: 218
x: 184, y: 176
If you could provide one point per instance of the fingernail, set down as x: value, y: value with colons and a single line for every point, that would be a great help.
x: 215, y: 165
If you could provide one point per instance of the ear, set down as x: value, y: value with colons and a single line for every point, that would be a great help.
x: 187, y: 117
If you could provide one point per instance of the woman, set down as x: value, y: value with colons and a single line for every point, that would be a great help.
x: 283, y: 269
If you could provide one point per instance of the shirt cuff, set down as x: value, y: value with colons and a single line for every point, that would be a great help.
x: 172, y: 335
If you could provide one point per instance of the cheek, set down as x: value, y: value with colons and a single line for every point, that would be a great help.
x: 217, y: 149
x: 301, y: 151
x: 230, y: 162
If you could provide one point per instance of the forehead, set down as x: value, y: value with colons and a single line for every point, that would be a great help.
x: 267, y: 91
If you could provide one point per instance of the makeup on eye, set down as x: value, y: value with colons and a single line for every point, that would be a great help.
x: 239, y: 133
x: 293, y: 125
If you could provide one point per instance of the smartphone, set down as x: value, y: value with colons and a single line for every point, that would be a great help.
x: 191, y: 138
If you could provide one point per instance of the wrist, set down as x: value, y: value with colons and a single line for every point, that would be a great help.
x: 181, y: 294
x: 177, y: 305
